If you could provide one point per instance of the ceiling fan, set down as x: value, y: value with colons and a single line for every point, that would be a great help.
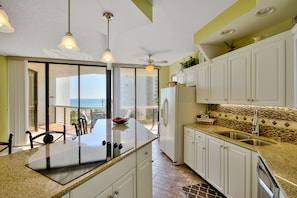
x: 150, y: 63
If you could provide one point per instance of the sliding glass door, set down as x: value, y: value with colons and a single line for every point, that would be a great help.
x: 68, y: 91
x: 136, y: 95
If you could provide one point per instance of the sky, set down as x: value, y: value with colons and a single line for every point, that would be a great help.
x: 92, y: 86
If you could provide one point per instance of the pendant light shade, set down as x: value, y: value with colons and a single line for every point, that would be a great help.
x: 149, y: 68
x: 4, y: 23
x: 68, y: 42
x: 107, y: 56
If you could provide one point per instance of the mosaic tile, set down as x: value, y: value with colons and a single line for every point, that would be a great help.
x: 274, y: 122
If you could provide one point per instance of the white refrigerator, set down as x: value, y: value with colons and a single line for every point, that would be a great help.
x: 178, y: 107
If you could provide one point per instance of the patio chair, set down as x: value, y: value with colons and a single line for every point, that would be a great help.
x: 47, y: 137
x: 7, y: 144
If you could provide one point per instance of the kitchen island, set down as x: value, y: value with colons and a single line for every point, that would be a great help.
x: 76, y: 161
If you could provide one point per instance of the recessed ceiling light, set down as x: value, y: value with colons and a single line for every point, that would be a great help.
x: 231, y: 31
x: 266, y: 11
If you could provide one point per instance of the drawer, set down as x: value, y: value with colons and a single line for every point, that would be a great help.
x: 200, y: 136
x: 144, y: 152
x: 188, y: 131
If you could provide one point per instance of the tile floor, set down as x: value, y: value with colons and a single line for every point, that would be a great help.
x: 169, y: 179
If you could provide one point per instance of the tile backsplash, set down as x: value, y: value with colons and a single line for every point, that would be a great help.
x: 274, y: 122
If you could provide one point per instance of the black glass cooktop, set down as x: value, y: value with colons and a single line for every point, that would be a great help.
x: 78, y: 156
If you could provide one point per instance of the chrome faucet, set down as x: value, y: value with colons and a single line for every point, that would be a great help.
x: 255, y: 128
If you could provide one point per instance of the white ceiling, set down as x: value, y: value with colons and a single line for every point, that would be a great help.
x: 40, y: 25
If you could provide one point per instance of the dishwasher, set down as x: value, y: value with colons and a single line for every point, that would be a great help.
x: 267, y: 186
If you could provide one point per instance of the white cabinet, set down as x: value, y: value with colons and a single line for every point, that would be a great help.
x: 218, y: 82
x: 124, y: 187
x: 191, y: 75
x: 195, y: 151
x: 215, y: 162
x: 200, y: 154
x: 239, y: 80
x: 257, y: 76
x: 237, y: 171
x: 130, y: 177
x: 229, y: 168
x: 144, y: 172
x: 189, y: 146
x: 268, y: 74
x: 119, y: 179
x: 202, y: 88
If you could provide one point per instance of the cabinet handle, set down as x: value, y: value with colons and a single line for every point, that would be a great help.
x: 203, y: 148
x: 146, y: 153
x: 248, y: 99
x: 253, y: 100
x: 225, y: 147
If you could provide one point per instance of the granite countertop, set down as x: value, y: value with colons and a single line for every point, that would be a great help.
x: 280, y: 158
x: 18, y: 180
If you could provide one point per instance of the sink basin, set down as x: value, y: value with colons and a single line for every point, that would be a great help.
x: 257, y: 142
x: 234, y: 135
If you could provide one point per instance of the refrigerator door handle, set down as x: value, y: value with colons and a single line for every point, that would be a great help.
x: 165, y: 119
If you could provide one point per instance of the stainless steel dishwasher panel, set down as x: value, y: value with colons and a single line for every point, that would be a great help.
x: 267, y: 186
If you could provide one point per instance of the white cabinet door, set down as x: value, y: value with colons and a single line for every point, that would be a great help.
x: 218, y: 82
x: 191, y: 75
x: 229, y: 168
x: 200, y: 158
x: 239, y: 84
x: 189, y: 143
x: 215, y: 161
x: 237, y: 171
x: 268, y: 74
x: 144, y: 172
x: 202, y: 84
x: 144, y: 179
x: 126, y: 186
x: 106, y: 193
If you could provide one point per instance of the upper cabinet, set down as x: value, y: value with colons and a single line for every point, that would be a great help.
x: 268, y: 74
x: 257, y: 76
x: 239, y: 81
x: 218, y: 81
x: 202, y: 87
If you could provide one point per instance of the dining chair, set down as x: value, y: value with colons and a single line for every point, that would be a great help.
x: 47, y: 137
x: 7, y: 144
x: 81, y: 126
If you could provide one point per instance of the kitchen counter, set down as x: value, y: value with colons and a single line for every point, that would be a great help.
x: 19, y: 180
x: 281, y: 157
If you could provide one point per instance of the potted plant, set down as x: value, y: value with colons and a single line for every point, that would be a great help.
x: 189, y: 63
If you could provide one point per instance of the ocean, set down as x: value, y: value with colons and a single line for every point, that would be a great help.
x: 89, y: 102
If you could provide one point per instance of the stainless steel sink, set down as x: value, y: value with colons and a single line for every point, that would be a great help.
x: 234, y: 135
x: 256, y: 142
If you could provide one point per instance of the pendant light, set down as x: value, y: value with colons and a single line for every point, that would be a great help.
x: 68, y: 41
x: 107, y: 56
x: 4, y: 23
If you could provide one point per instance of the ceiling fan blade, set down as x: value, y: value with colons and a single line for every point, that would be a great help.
x: 164, y: 61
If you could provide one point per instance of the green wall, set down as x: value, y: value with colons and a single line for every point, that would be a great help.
x: 3, y: 98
